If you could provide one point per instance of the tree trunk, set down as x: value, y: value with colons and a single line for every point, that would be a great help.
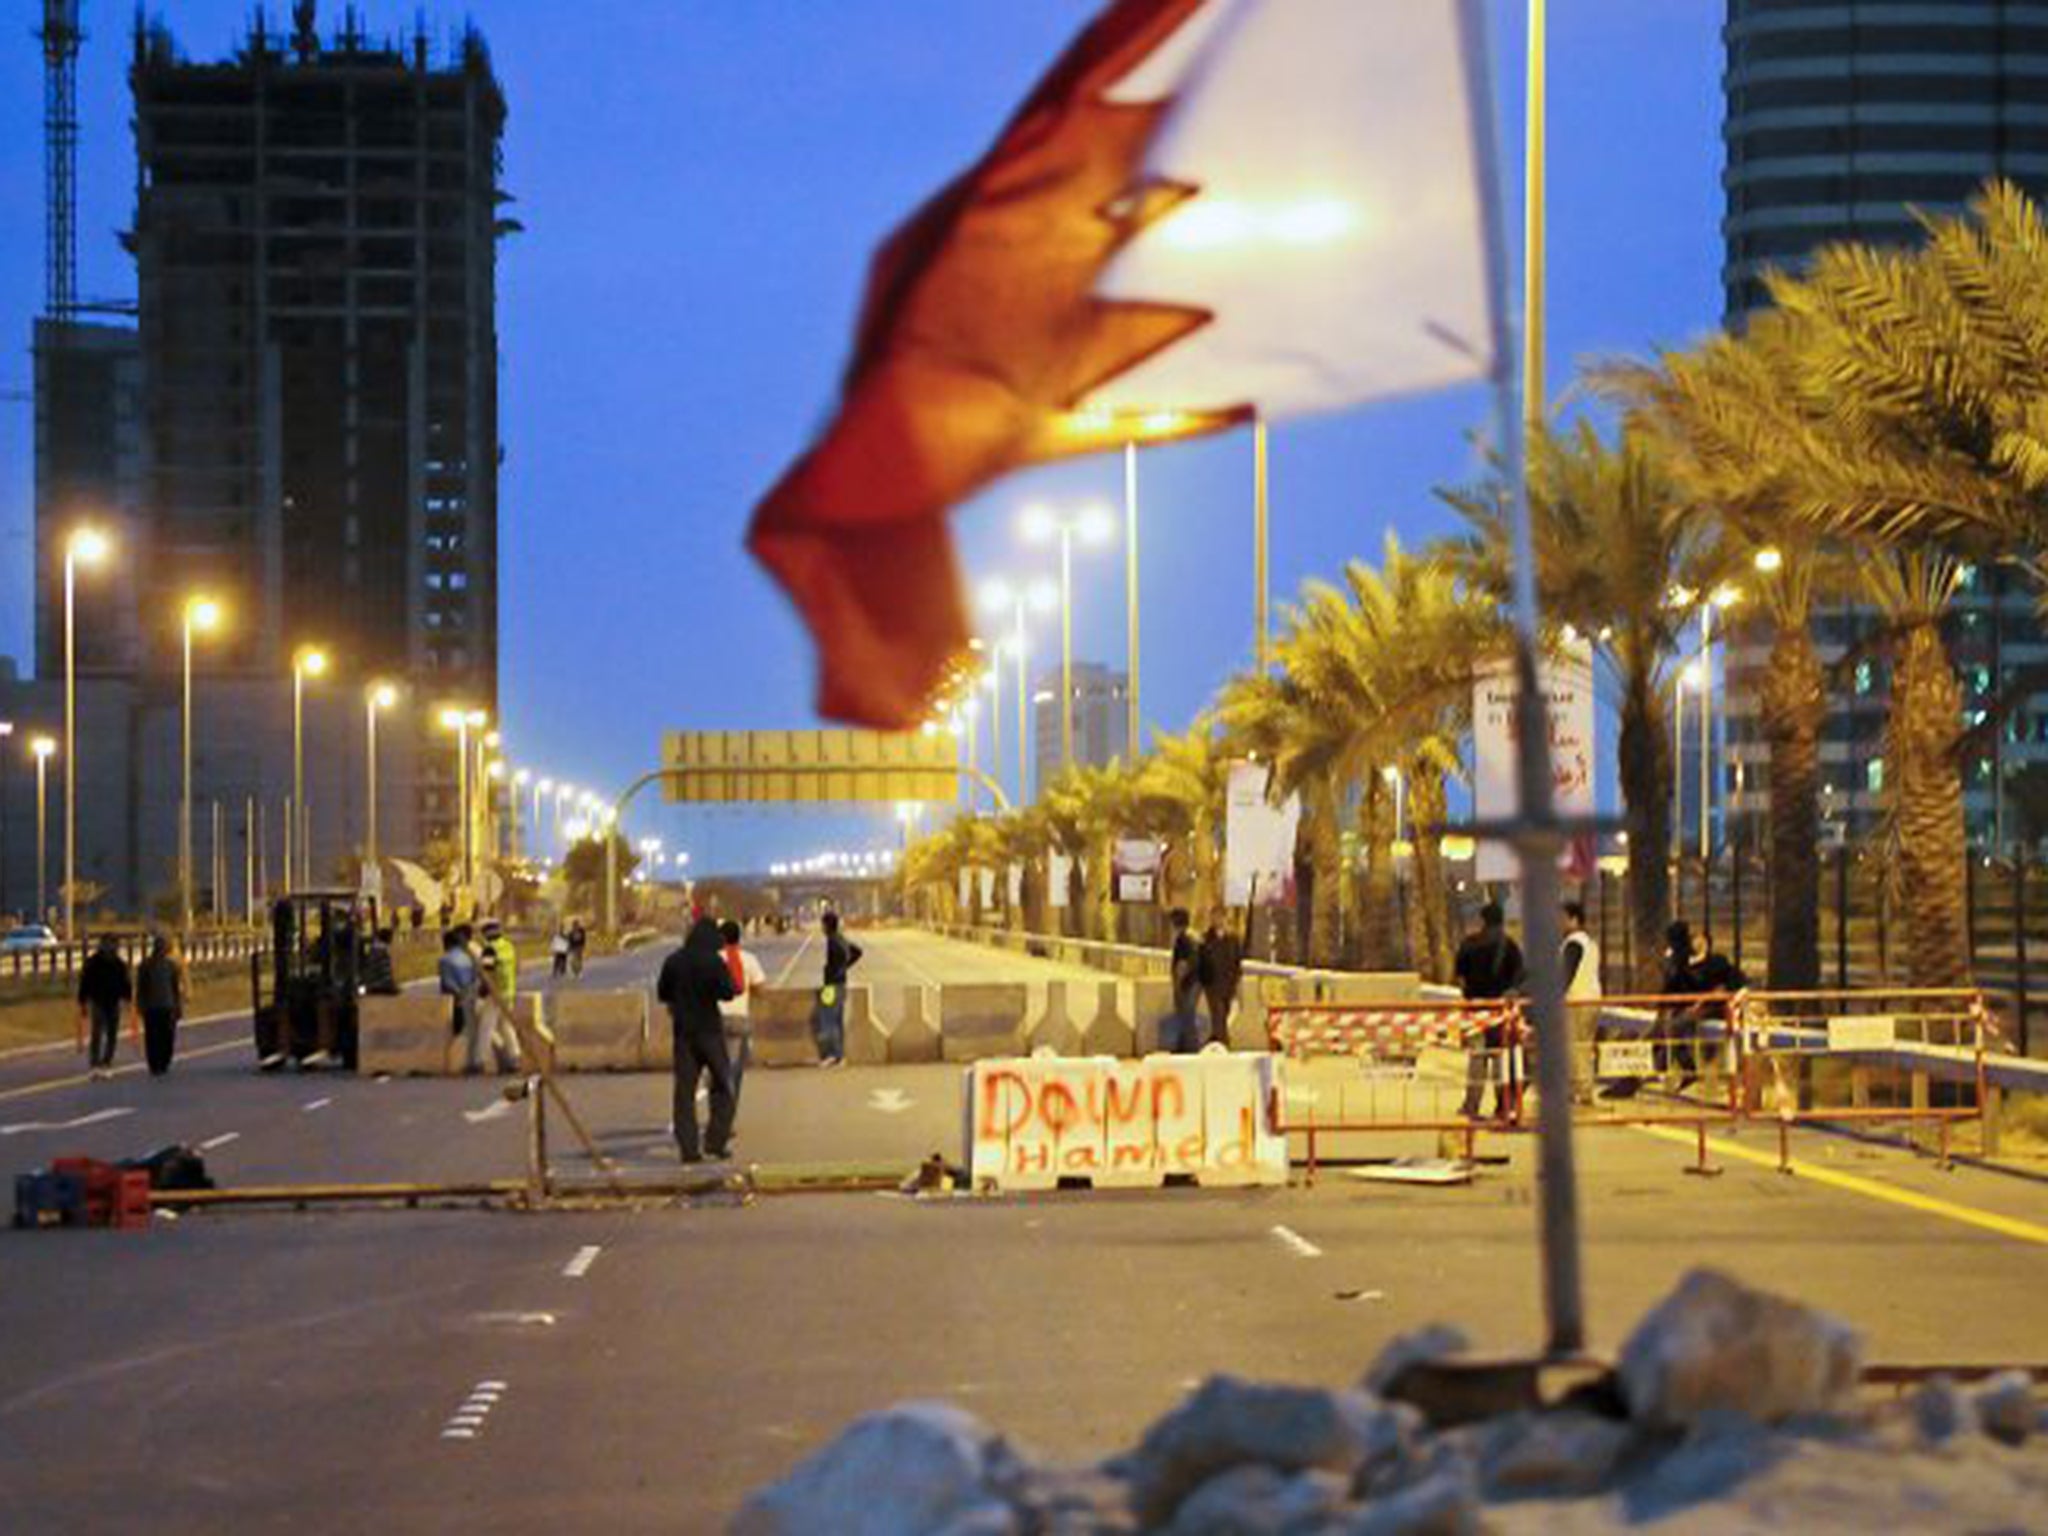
x: 1326, y: 859
x: 1646, y: 769
x: 1430, y: 905
x: 1931, y: 851
x: 1379, y: 916
x: 1793, y: 702
x: 1101, y: 892
x: 1208, y: 895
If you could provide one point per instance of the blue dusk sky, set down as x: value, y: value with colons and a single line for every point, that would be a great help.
x: 701, y: 182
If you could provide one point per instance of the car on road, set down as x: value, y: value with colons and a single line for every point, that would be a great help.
x: 29, y: 936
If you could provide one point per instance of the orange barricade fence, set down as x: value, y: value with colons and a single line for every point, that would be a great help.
x: 1893, y: 1055
x: 1406, y: 1066
x: 1896, y: 1055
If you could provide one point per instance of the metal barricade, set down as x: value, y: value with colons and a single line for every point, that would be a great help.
x: 1406, y: 1062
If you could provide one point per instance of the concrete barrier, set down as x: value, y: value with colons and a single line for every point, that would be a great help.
x: 1151, y: 1002
x: 782, y: 1026
x: 599, y: 1031
x: 915, y: 1035
x: 1055, y: 1029
x: 406, y: 1034
x: 981, y: 1020
x: 867, y: 1044
x: 1109, y: 1031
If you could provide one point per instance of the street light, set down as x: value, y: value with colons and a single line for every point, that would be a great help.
x: 1092, y: 525
x: 996, y: 596
x: 378, y: 696
x: 42, y: 747
x: 307, y: 661
x: 459, y: 721
x: 202, y: 616
x: 6, y: 731
x: 1769, y: 559
x: 85, y: 546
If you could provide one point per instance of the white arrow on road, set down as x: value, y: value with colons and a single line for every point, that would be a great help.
x: 64, y: 1125
x: 890, y: 1101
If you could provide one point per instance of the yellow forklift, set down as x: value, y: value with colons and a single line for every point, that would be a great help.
x: 315, y: 960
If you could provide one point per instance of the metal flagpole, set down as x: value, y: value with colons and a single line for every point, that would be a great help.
x: 1260, y: 643
x: 1131, y: 742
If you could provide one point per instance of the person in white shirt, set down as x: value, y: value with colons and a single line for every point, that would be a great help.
x: 1579, y: 959
x: 747, y: 974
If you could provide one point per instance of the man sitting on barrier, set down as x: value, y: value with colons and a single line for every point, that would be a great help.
x: 1489, y: 967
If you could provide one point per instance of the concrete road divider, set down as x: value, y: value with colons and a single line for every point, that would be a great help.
x: 1151, y: 1002
x: 915, y: 1034
x: 867, y: 1045
x: 781, y: 1017
x: 599, y: 1031
x: 1109, y: 1032
x: 981, y: 1020
x: 1033, y: 1122
x: 406, y: 1034
x: 1055, y: 1029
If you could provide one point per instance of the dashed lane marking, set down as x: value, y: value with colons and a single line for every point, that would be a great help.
x: 1932, y: 1205
x: 64, y: 1125
x: 789, y: 966
x: 579, y: 1266
x: 1301, y: 1247
x: 219, y: 1141
x: 467, y: 1421
x: 78, y: 1079
x: 312, y: 1104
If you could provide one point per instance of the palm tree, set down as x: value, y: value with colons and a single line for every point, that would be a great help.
x: 1707, y: 406
x: 1178, y: 791
x: 1272, y: 719
x: 1616, y: 541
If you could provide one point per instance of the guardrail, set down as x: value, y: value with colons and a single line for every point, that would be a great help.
x: 65, y: 959
x: 1140, y: 959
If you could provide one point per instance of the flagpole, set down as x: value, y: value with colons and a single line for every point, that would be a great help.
x: 1131, y: 597
x: 1261, y: 644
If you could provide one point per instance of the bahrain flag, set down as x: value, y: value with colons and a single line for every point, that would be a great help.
x: 1207, y: 210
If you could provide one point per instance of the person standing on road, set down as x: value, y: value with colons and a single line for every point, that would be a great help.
x: 1579, y: 960
x: 694, y: 981
x: 828, y: 1021
x: 1219, y: 967
x: 459, y: 983
x: 1489, y: 967
x: 104, y: 991
x: 577, y: 940
x: 501, y: 991
x: 380, y: 974
x: 558, y: 951
x: 735, y: 1014
x: 1180, y: 1030
x: 160, y: 998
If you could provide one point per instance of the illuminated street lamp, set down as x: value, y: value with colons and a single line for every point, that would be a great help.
x: 1092, y: 525
x: 202, y: 616
x: 461, y: 721
x: 998, y: 596
x: 377, y: 696
x: 85, y: 546
x: 307, y: 661
x: 41, y: 747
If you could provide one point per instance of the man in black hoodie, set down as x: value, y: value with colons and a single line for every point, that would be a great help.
x: 694, y: 981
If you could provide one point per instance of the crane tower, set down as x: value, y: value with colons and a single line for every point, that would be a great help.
x: 60, y: 36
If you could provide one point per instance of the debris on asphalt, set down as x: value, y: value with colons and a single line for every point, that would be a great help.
x: 1414, y: 1170
x: 1731, y: 1409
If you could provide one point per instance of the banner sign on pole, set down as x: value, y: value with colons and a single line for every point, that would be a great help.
x: 1136, y: 866
x: 1567, y: 683
x: 987, y: 877
x: 1015, y: 885
x: 1258, y: 839
x: 1058, y: 871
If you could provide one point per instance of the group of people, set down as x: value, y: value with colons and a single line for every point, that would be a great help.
x: 152, y: 1000
x: 566, y: 949
x: 1205, y: 971
x: 1490, y: 966
x: 479, y: 974
x: 705, y: 985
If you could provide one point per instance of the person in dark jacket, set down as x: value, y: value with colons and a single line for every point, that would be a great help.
x: 380, y: 978
x: 1489, y: 966
x: 104, y: 992
x: 1180, y: 1030
x: 694, y: 980
x: 828, y: 1020
x: 160, y: 998
x: 1220, y: 966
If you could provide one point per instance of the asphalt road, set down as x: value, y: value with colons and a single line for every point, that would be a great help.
x: 640, y: 1370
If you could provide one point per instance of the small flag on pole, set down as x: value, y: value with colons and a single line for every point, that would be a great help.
x: 1206, y: 210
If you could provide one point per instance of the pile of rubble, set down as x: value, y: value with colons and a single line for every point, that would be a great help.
x: 1729, y: 1409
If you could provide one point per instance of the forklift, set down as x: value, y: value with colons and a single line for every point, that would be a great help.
x: 317, y: 939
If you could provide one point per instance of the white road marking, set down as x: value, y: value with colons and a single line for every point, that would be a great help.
x: 890, y: 1101
x: 219, y: 1141
x: 467, y: 1422
x: 579, y: 1266
x: 64, y: 1125
x: 782, y: 976
x: 316, y: 1104
x: 491, y: 1111
x: 1303, y: 1248
x: 458, y: 1434
x: 891, y: 951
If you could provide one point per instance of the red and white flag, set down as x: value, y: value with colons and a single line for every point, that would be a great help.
x: 1206, y: 210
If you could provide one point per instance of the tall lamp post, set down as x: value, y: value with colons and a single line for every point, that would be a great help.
x: 1092, y: 525
x: 42, y: 747
x: 542, y: 788
x: 202, y: 616
x: 309, y: 661
x: 6, y: 733
x: 85, y: 546
x: 998, y: 596
x: 378, y: 696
